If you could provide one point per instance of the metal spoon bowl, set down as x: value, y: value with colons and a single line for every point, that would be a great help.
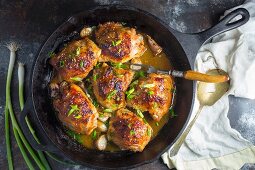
x: 207, y: 94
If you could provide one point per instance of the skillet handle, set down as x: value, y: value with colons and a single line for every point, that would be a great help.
x: 227, y: 23
x: 28, y: 108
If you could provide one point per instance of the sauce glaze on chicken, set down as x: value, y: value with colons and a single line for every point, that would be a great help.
x: 99, y: 100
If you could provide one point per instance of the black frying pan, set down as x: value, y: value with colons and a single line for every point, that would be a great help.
x: 181, y: 49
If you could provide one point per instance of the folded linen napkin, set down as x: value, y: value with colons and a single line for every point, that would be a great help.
x: 212, y: 143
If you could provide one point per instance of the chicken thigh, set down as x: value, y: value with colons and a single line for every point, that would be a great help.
x: 152, y: 93
x: 76, y: 60
x: 118, y: 43
x: 110, y: 84
x: 74, y: 109
x: 129, y: 131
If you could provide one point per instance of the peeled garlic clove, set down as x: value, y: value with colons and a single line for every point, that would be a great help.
x: 103, y: 117
x: 101, y: 142
x: 155, y: 48
x: 101, y: 126
x: 86, y: 31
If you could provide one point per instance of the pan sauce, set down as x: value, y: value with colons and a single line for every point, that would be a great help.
x: 148, y: 58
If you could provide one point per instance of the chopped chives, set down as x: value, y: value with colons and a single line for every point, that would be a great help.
x: 111, y: 94
x: 76, y: 78
x: 73, y: 109
x: 140, y: 113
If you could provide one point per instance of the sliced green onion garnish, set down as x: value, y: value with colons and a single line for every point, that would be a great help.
x: 117, y: 42
x: 61, y: 63
x: 76, y: 78
x: 77, y: 117
x: 139, y: 113
x: 95, y: 77
x: 94, y: 135
x: 107, y: 110
x: 149, y: 132
x: 129, y: 125
x: 51, y: 54
x: 82, y: 64
x: 132, y: 132
x: 157, y: 124
x: 73, y: 109
x: 171, y: 111
x: 78, y: 51
x: 150, y: 92
x: 111, y: 94
x: 148, y: 85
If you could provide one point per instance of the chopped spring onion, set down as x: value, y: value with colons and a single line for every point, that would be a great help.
x: 107, y: 110
x: 95, y: 77
x: 171, y: 111
x: 94, y: 135
x: 132, y: 132
x: 51, y: 54
x: 140, y: 113
x: 76, y: 78
x: 111, y: 94
x: 157, y: 124
x: 150, y: 92
x: 148, y: 85
x: 78, y: 51
x: 73, y: 109
x: 82, y: 64
x: 61, y: 63
x: 149, y: 132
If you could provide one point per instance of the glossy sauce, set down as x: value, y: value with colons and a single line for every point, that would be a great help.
x: 161, y: 62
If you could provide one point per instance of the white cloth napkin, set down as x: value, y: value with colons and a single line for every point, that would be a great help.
x: 212, y: 143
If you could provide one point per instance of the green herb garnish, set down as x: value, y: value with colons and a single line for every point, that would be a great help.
x: 82, y: 64
x: 116, y: 43
x: 171, y: 111
x: 129, y: 125
x: 78, y: 51
x: 107, y: 110
x: 119, y: 65
x: 73, y: 109
x: 130, y: 91
x: 95, y: 77
x: 95, y: 103
x: 51, y: 54
x: 134, y: 83
x: 149, y: 132
x: 140, y: 113
x: 98, y: 65
x: 77, y: 116
x: 111, y: 94
x: 150, y: 92
x: 132, y: 132
x: 157, y: 124
x: 148, y: 85
x: 61, y: 63
x: 76, y: 78
x: 131, y: 96
x: 94, y: 135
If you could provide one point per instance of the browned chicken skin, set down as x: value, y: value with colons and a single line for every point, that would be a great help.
x: 154, y: 94
x: 110, y: 84
x: 76, y: 60
x: 75, y: 110
x: 118, y: 43
x: 129, y: 131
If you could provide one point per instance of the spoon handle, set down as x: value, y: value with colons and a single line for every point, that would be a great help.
x: 193, y: 75
x: 177, y: 145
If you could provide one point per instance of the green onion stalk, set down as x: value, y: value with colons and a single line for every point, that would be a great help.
x: 21, y: 140
x: 21, y: 75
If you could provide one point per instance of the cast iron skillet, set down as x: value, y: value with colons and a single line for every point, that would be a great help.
x: 181, y: 49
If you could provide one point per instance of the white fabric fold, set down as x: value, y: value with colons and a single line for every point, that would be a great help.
x: 212, y: 143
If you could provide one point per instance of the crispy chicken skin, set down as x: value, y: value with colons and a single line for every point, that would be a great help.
x: 118, y: 43
x: 76, y: 60
x: 109, y: 85
x: 74, y: 109
x: 129, y: 131
x: 154, y: 94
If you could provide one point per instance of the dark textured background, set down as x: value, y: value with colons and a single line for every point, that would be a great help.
x: 31, y: 22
